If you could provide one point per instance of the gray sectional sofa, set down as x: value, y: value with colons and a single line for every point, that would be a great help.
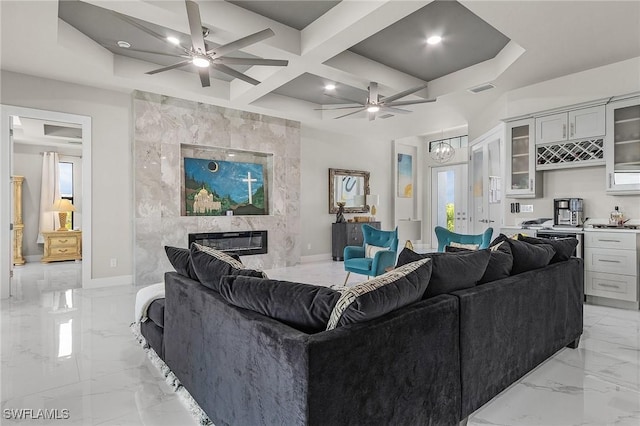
x: 433, y: 362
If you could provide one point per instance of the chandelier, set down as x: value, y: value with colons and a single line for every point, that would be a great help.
x: 442, y: 152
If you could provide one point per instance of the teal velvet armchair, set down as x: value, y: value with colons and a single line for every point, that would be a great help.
x: 377, y: 253
x: 445, y: 237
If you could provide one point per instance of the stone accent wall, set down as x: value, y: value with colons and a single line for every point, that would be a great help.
x: 162, y: 124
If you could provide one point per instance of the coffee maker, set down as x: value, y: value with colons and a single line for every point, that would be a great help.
x: 567, y: 211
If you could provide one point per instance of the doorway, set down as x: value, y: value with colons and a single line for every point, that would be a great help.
x: 8, y: 114
x: 449, y: 198
x: 486, y: 183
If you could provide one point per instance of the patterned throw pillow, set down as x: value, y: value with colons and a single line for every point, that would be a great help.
x: 371, y: 250
x: 383, y: 294
x: 210, y: 265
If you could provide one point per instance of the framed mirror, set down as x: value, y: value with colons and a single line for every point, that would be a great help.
x: 350, y: 187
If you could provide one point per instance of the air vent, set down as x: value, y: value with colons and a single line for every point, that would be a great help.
x: 482, y: 88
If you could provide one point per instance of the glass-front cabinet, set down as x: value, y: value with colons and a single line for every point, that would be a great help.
x: 622, y: 146
x: 522, y: 179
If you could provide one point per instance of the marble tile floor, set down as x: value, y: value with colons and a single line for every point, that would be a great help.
x: 64, y: 347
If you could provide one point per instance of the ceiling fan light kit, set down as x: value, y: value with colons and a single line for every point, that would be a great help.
x: 198, y: 55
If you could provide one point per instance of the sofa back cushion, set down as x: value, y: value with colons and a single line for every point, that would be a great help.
x: 527, y: 257
x: 564, y: 247
x: 450, y: 271
x: 305, y: 307
x: 385, y: 293
x: 211, y: 265
x: 500, y: 261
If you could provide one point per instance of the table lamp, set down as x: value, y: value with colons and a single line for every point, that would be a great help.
x: 409, y: 230
x: 63, y: 206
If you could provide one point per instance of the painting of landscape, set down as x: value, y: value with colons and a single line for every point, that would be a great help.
x: 219, y: 188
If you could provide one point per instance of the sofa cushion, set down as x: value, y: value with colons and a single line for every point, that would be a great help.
x: 155, y: 312
x: 305, y: 307
x: 373, y: 298
x: 180, y: 259
x: 526, y: 257
x: 210, y: 265
x: 500, y: 262
x: 564, y: 247
x: 450, y: 271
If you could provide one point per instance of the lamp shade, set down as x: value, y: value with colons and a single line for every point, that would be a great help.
x: 63, y: 205
x: 373, y: 200
x: 409, y: 230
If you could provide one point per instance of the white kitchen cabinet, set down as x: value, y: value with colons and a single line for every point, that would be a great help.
x: 522, y: 179
x: 622, y: 146
x: 611, y: 265
x: 583, y: 123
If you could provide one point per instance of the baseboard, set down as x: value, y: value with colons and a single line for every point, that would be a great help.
x: 315, y: 258
x: 109, y: 281
x: 612, y: 303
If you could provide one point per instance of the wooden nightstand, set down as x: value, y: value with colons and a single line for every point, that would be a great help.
x: 62, y: 245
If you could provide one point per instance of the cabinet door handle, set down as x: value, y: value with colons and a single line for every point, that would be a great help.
x: 63, y: 250
x: 571, y: 130
x: 608, y: 285
x: 610, y: 179
x: 608, y: 261
x: 608, y: 241
x: 530, y: 183
x: 62, y: 241
x: 564, y: 130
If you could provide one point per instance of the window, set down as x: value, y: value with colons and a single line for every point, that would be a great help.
x: 65, y: 170
x: 457, y: 142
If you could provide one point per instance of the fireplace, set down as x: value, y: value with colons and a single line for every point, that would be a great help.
x: 242, y: 243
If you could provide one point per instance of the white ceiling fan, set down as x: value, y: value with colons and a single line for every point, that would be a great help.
x: 203, y: 57
x: 375, y: 104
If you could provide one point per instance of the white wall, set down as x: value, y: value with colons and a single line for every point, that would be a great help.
x: 111, y: 151
x: 323, y: 150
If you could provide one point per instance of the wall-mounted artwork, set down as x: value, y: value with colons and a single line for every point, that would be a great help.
x: 405, y: 176
x: 220, y: 188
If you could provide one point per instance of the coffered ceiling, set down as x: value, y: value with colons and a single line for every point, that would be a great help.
x: 348, y: 43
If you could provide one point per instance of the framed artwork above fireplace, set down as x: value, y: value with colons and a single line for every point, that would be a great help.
x: 224, y: 182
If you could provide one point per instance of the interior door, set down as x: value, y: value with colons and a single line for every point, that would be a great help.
x: 486, y: 187
x: 449, y: 198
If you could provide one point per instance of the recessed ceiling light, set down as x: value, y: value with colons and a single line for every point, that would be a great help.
x: 124, y: 44
x: 173, y: 40
x: 200, y: 62
x: 435, y: 39
x: 373, y: 108
x: 330, y: 86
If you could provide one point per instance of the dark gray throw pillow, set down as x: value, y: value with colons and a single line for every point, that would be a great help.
x: 450, y: 271
x: 180, y: 259
x: 305, y: 307
x: 500, y: 262
x: 385, y: 293
x: 564, y: 247
x: 210, y: 265
x: 527, y: 257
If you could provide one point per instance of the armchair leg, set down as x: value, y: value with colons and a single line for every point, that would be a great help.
x: 347, y: 279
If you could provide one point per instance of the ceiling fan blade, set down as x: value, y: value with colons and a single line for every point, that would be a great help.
x: 170, y: 67
x: 204, y: 76
x: 395, y: 110
x: 400, y: 103
x: 403, y: 94
x: 124, y: 49
x: 351, y: 113
x: 252, y: 61
x: 233, y: 73
x: 195, y: 26
x: 343, y: 99
x: 148, y: 31
x: 225, y: 49
x: 373, y: 92
x: 333, y: 109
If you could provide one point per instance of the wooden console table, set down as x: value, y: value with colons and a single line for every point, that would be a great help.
x: 62, y: 245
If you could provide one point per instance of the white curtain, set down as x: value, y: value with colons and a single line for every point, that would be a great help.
x: 49, y: 192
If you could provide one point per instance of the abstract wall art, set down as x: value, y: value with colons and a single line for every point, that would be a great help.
x: 405, y: 176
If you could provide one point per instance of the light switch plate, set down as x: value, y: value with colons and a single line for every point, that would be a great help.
x: 526, y: 208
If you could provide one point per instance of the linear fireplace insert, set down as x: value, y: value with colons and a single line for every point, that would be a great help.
x: 242, y: 243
